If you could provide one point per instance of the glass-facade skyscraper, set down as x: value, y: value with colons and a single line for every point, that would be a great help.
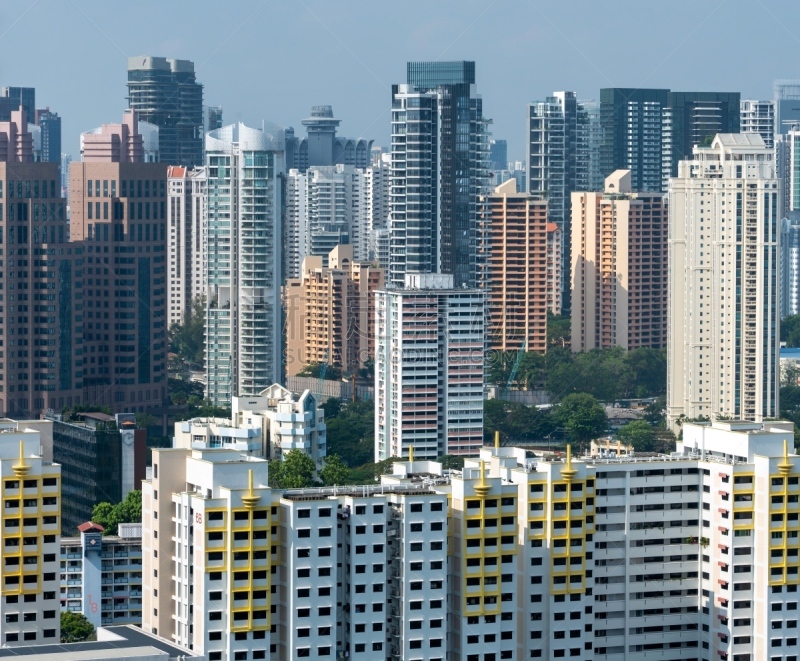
x: 166, y: 93
x: 244, y: 169
x: 440, y: 168
x: 648, y: 131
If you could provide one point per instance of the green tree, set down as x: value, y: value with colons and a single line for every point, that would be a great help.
x: 110, y: 516
x: 351, y: 431
x: 105, y: 515
x: 334, y: 471
x: 451, y: 462
x: 790, y: 330
x: 332, y: 407
x: 130, y: 509
x: 639, y: 434
x: 583, y: 417
x: 295, y: 471
x: 314, y: 370
x: 76, y: 628
x: 559, y: 330
x: 188, y: 339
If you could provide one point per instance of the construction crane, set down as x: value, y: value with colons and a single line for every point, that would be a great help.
x: 515, y: 369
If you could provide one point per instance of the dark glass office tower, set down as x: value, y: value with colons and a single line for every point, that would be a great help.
x: 50, y: 125
x: 166, y: 93
x: 440, y: 168
x: 11, y: 98
x: 648, y: 131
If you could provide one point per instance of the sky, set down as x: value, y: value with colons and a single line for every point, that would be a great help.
x: 271, y: 59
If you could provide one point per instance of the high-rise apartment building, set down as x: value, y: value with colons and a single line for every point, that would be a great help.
x: 515, y: 269
x: 166, y: 93
x: 43, y: 292
x: 330, y: 312
x: 787, y: 105
x: 118, y: 210
x: 49, y: 124
x: 101, y: 575
x: 331, y: 205
x: 619, y: 267
x: 207, y: 518
x: 186, y: 217
x: 31, y: 524
x: 322, y: 147
x: 212, y: 118
x: 540, y: 558
x: 428, y: 369
x: 787, y: 159
x: 724, y: 288
x: 758, y: 117
x: 557, y: 140
x: 440, y: 168
x: 498, y: 154
x: 648, y: 131
x: 362, y: 571
x: 555, y: 270
x: 244, y: 260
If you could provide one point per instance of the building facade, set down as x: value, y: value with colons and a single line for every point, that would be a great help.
x: 330, y: 312
x: 429, y: 363
x: 186, y: 223
x: 619, y: 267
x: 322, y: 147
x: 672, y: 556
x: 515, y: 233
x: 102, y: 459
x: 724, y: 289
x: 649, y: 131
x: 31, y: 524
x: 557, y: 141
x: 101, y: 576
x: 267, y: 426
x: 118, y: 212
x: 440, y: 168
x: 244, y: 260
x: 759, y: 117
x: 166, y: 93
x: 41, y: 281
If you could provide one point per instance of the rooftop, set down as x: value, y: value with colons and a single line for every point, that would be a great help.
x: 123, y: 642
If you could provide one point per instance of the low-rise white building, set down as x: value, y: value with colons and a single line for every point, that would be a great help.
x: 101, y: 576
x: 267, y: 425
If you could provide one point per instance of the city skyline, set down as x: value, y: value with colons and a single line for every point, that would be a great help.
x: 359, y: 86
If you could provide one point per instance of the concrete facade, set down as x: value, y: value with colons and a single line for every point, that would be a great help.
x: 619, y: 267
x: 724, y: 285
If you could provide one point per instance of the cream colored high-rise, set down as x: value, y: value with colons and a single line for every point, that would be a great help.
x: 724, y: 289
x: 619, y: 267
x: 330, y: 312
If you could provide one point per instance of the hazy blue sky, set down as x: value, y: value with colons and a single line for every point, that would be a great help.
x: 275, y: 59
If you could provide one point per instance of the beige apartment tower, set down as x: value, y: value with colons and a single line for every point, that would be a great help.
x: 516, y: 269
x: 724, y: 289
x: 330, y: 312
x: 619, y: 267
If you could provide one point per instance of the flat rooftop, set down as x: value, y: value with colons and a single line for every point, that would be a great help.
x: 125, y: 642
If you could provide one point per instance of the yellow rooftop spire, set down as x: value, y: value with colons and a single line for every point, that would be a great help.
x: 411, y: 453
x: 21, y: 469
x: 497, y: 439
x: 785, y: 467
x: 250, y: 500
x: 569, y: 472
x: 482, y: 489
